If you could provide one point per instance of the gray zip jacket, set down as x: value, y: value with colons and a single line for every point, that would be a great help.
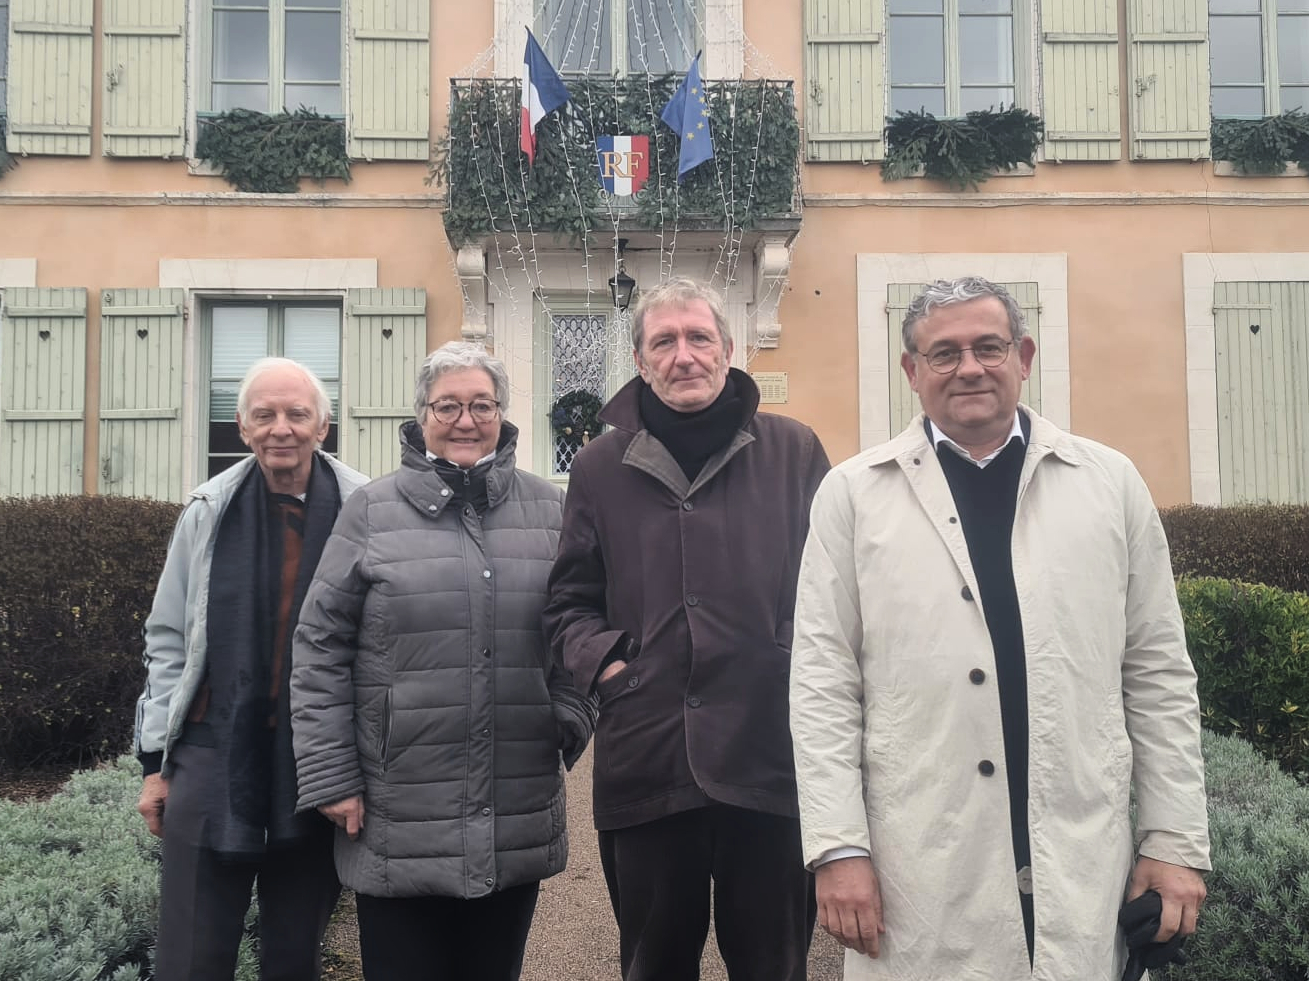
x: 422, y: 681
x: 176, y: 632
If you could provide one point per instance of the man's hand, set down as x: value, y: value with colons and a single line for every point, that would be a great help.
x: 850, y: 903
x: 154, y: 791
x: 1181, y: 889
x: 611, y: 669
x: 347, y: 814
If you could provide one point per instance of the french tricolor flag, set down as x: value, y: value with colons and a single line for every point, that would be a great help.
x: 543, y: 93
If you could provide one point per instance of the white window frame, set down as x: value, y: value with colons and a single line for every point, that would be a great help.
x: 718, y: 22
x: 1200, y: 271
x: 874, y: 272
x: 4, y: 56
x: 1271, y: 84
x: 217, y: 279
x: 1024, y: 56
x: 277, y: 11
x: 619, y: 50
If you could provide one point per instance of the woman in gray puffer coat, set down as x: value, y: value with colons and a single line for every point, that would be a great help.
x: 429, y: 722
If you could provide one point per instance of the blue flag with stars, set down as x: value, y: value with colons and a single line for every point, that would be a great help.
x: 687, y: 113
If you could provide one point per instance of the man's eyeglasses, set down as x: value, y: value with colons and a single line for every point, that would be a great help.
x: 946, y: 360
x: 448, y: 411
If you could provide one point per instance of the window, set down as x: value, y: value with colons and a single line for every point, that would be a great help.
x: 240, y: 333
x: 606, y: 36
x: 4, y: 53
x: 270, y: 55
x: 1258, y: 56
x: 951, y: 57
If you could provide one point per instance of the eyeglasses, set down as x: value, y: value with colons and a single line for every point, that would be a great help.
x: 946, y: 360
x: 448, y: 411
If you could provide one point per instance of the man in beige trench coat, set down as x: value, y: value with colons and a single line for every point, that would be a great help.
x: 988, y: 655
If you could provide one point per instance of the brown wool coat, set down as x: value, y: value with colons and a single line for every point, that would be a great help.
x: 702, y: 576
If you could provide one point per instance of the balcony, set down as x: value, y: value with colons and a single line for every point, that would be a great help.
x: 750, y: 184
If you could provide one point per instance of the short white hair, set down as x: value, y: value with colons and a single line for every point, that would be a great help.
x: 459, y: 356
x: 265, y: 365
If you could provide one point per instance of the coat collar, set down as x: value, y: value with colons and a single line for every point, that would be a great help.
x: 623, y: 411
x: 423, y: 487
x: 1046, y: 439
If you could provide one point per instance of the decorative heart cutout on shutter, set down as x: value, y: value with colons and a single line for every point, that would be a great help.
x: 1254, y: 328
x: 386, y: 332
x: 43, y: 334
x: 142, y: 332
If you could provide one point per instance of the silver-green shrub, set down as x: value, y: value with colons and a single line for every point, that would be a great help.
x: 1255, y: 923
x: 79, y: 883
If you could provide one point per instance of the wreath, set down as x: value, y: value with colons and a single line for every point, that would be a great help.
x: 576, y: 415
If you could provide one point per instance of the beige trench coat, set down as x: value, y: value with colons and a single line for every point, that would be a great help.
x: 889, y: 729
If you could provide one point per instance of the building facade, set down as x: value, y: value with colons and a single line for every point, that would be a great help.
x: 1169, y: 291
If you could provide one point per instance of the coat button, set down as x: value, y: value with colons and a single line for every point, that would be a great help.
x: 486, y: 732
x: 967, y: 594
x: 486, y: 573
x: 977, y: 676
x: 490, y: 881
x: 445, y: 491
x: 954, y: 520
x: 486, y: 812
x: 688, y: 506
x: 431, y: 507
x: 917, y: 462
x: 986, y: 768
x: 486, y: 652
x: 693, y: 701
x: 692, y: 599
x: 633, y: 682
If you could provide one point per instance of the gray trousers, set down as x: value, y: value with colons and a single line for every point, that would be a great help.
x: 203, y: 900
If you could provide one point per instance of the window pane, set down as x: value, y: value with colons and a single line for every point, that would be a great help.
x: 661, y: 35
x: 914, y: 6
x: 986, y: 50
x: 985, y: 97
x: 240, y: 338
x: 917, y: 50
x: 313, y: 46
x: 1293, y: 7
x: 312, y: 336
x: 916, y: 100
x: 1234, y: 6
x: 323, y: 99
x: 240, y: 45
x: 577, y: 35
x: 1235, y: 50
x: 1232, y: 101
x: 1295, y: 97
x: 986, y: 6
x: 1292, y: 50
x: 316, y: 4
x: 227, y: 96
x: 577, y: 361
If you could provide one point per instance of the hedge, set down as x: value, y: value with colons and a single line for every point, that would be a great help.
x: 1250, y: 646
x: 77, y: 577
x: 1266, y: 543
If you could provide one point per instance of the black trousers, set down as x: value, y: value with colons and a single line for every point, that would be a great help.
x: 203, y: 900
x: 440, y: 938
x: 660, y: 875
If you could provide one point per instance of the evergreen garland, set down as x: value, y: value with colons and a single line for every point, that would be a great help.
x: 490, y: 187
x: 1263, y: 146
x: 962, y: 152
x: 270, y: 153
x: 7, y: 160
x: 576, y: 413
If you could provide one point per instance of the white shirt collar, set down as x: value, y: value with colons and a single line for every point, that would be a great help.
x: 489, y: 456
x: 939, y: 437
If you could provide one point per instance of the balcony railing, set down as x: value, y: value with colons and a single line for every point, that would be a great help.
x: 491, y: 188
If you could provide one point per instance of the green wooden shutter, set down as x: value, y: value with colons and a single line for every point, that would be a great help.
x: 904, y: 402
x: 50, y: 77
x: 1262, y: 365
x: 1168, y: 64
x: 390, y: 79
x: 145, y: 78
x: 1079, y: 79
x: 141, y: 393
x: 42, y: 391
x: 845, y: 108
x: 385, y: 343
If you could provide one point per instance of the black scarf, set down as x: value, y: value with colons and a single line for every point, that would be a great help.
x: 693, y: 437
x: 253, y: 800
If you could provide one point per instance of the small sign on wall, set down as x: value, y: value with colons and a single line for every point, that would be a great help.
x: 772, y: 386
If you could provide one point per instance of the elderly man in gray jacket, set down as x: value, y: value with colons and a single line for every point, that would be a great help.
x: 213, y: 725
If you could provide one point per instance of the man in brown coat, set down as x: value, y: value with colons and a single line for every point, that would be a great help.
x: 672, y: 600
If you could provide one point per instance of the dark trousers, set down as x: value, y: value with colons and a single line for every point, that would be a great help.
x: 203, y: 900
x: 659, y: 876
x: 440, y: 938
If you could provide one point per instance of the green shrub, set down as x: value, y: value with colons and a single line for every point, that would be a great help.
x: 1250, y: 645
x: 79, y: 894
x: 1267, y: 543
x: 1255, y: 922
x: 77, y: 576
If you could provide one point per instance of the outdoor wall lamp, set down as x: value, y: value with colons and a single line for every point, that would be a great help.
x: 621, y: 285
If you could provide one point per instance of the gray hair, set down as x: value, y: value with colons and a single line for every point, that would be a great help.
x: 947, y: 292
x: 459, y: 356
x: 678, y: 292
x: 265, y: 365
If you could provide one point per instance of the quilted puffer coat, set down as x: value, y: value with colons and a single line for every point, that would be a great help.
x: 421, y: 680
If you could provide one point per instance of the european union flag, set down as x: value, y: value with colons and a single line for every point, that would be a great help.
x: 687, y: 113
